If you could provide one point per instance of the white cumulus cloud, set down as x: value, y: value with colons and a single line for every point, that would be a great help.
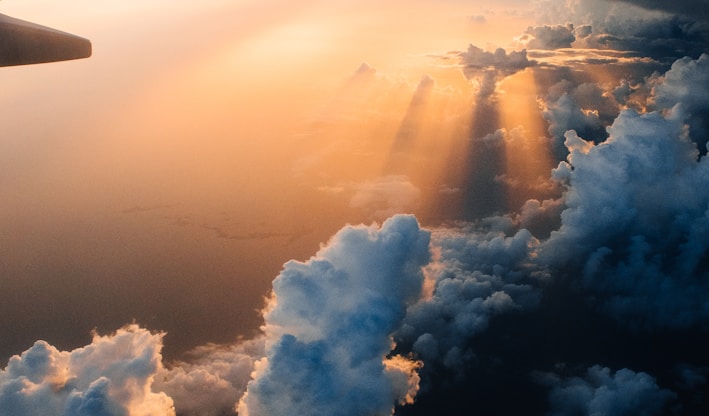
x: 112, y: 376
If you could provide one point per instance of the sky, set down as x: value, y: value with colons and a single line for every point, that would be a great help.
x: 354, y: 208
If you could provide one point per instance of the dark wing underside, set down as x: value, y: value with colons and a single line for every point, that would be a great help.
x: 24, y: 43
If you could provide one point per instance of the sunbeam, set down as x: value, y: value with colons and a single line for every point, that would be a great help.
x: 357, y: 208
x: 528, y: 158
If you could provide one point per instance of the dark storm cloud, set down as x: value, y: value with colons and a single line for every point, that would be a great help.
x: 603, y: 392
x: 330, y: 323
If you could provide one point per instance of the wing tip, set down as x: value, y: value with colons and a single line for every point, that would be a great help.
x: 26, y: 43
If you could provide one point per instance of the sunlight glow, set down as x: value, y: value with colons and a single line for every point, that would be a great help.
x: 527, y: 151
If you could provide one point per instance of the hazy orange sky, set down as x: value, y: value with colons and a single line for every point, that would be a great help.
x: 205, y: 143
x: 552, y: 154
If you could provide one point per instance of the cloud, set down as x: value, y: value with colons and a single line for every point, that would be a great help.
x: 686, y: 83
x: 549, y: 37
x: 364, y: 70
x: 478, y: 19
x: 629, y: 244
x: 112, y: 376
x: 475, y: 60
x: 643, y: 252
x: 346, y: 333
x: 330, y: 323
x: 602, y: 392
x: 488, y: 68
x: 691, y: 8
x: 566, y: 114
x: 584, y: 108
x: 620, y: 25
x: 691, y: 377
x: 589, y: 107
x: 474, y: 277
x: 212, y: 379
x: 385, y: 196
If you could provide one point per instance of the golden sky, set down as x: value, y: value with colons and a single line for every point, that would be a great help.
x: 233, y: 134
x: 168, y: 181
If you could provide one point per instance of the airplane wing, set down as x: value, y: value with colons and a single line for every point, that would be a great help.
x: 24, y: 43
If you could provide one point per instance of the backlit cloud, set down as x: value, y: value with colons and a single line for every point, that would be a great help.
x: 330, y: 322
x: 112, y: 376
x: 212, y: 379
x: 488, y: 68
x: 549, y: 37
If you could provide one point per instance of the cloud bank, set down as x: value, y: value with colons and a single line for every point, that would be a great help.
x: 398, y: 319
